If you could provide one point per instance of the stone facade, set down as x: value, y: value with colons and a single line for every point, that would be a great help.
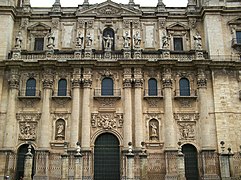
x: 160, y: 80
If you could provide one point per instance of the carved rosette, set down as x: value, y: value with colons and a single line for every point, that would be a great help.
x: 201, y: 79
x: 13, y: 80
x: 28, y: 125
x: 107, y: 121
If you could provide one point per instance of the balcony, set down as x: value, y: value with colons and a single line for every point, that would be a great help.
x: 61, y: 94
x: 153, y: 93
x: 115, y: 93
x: 29, y: 94
x: 185, y: 94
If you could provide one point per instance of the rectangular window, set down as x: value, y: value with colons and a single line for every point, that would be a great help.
x: 178, y: 44
x: 238, y: 37
x: 39, y: 44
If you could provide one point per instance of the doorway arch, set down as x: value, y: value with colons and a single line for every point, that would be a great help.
x: 191, y: 162
x: 107, y: 157
x: 22, y: 150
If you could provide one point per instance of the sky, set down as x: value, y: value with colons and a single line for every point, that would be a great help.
x: 74, y: 3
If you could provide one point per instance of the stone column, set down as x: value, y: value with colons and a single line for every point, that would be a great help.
x: 45, y: 124
x: 139, y: 132
x: 169, y: 123
x: 87, y: 82
x: 10, y: 135
x: 130, y: 163
x: 127, y: 107
x: 208, y: 137
x: 75, y: 114
x: 28, y: 164
x: 78, y: 164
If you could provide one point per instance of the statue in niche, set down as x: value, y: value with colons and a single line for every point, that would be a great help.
x: 51, y: 39
x: 18, y: 40
x: 108, y: 40
x: 126, y: 38
x: 88, y: 40
x: 153, y: 129
x: 137, y: 40
x: 165, y: 41
x: 60, y: 130
x: 79, y: 40
x: 198, y: 41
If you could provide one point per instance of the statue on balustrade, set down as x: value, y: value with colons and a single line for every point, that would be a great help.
x: 79, y: 40
x: 18, y: 40
x: 88, y: 40
x: 198, y: 41
x: 137, y: 40
x: 126, y: 38
x: 108, y: 41
x: 51, y: 39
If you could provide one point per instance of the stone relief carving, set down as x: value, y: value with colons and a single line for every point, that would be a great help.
x: 192, y: 23
x: 24, y: 23
x: 55, y: 23
x: 152, y: 102
x: 198, y: 41
x: 137, y: 39
x: 13, y: 80
x: 167, y: 78
x: 107, y: 120
x: 187, y: 131
x: 201, y: 78
x: 48, y: 76
x: 186, y: 116
x: 126, y: 24
x: 108, y: 10
x: 162, y: 22
x: 28, y: 125
x: 185, y: 103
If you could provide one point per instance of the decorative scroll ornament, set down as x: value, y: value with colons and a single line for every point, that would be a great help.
x: 107, y: 120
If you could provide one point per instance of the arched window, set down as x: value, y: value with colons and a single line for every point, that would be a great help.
x: 62, y: 87
x: 184, y: 86
x: 109, y: 32
x: 107, y: 87
x: 31, y: 87
x: 152, y: 87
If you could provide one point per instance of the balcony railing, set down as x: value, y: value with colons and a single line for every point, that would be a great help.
x: 61, y: 93
x: 152, y: 93
x: 107, y: 93
x: 100, y: 55
x: 185, y: 93
x: 33, y: 93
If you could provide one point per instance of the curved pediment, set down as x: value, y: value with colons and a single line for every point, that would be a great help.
x: 109, y: 8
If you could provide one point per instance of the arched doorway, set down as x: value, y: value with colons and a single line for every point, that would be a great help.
x: 22, y: 150
x: 191, y: 162
x: 107, y: 157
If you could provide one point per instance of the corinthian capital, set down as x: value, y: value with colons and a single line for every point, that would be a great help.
x: 48, y: 79
x: 167, y: 78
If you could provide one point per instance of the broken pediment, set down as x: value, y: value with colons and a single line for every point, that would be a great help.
x: 109, y: 8
x: 178, y: 27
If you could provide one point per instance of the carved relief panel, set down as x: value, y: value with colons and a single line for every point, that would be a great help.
x: 28, y: 125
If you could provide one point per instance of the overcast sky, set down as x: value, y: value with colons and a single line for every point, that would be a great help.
x: 74, y: 3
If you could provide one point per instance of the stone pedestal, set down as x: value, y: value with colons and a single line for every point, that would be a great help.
x: 88, y: 53
x: 42, y: 164
x: 171, y: 165
x: 130, y: 166
x: 28, y: 164
x: 64, y: 166
x: 166, y: 54
x: 49, y: 53
x: 78, y: 172
x: 127, y: 53
x: 137, y: 53
x: 78, y: 54
x: 16, y: 54
x: 199, y: 55
x: 107, y: 53
x: 143, y: 166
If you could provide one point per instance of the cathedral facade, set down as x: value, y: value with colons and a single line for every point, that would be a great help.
x: 114, y: 91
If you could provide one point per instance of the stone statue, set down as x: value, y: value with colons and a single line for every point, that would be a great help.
x: 88, y: 40
x: 137, y: 40
x: 198, y: 41
x: 165, y: 41
x: 153, y: 131
x: 51, y: 39
x: 60, y: 130
x: 108, y: 40
x: 126, y: 38
x: 18, y: 40
x: 79, y: 40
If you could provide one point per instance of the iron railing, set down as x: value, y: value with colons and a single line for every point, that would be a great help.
x: 107, y: 93
x: 153, y: 93
x: 185, y: 93
x: 31, y: 93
